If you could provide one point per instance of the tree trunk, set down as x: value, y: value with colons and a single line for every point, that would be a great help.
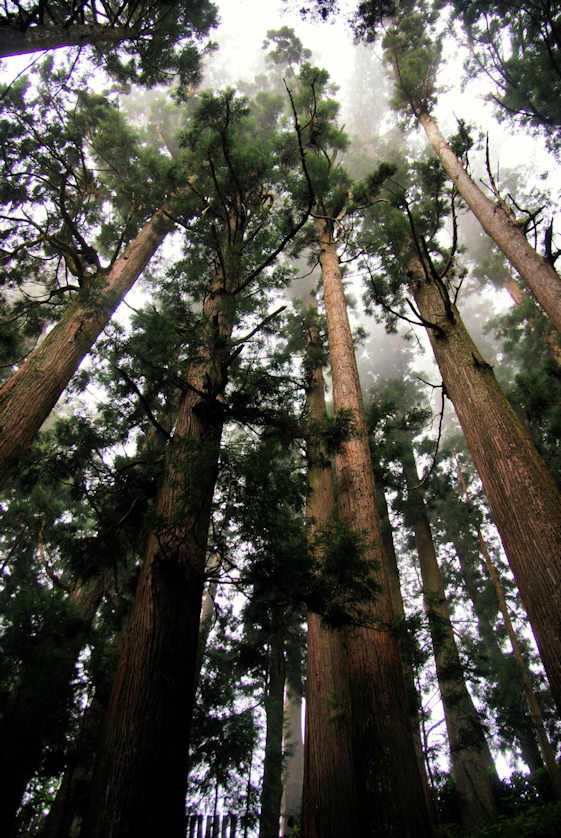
x: 41, y: 700
x: 291, y: 806
x: 29, y: 395
x: 389, y: 787
x: 141, y: 774
x: 524, y: 501
x: 539, y: 275
x: 37, y: 38
x: 399, y: 616
x: 329, y: 797
x: 497, y: 669
x: 271, y: 790
x: 519, y: 296
x: 533, y: 706
x: 472, y: 765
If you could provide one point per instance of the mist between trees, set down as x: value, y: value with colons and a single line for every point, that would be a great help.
x: 279, y: 420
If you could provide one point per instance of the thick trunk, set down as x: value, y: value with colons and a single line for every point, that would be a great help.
x: 29, y: 395
x: 271, y: 790
x: 524, y: 501
x: 140, y: 779
x: 472, y: 765
x: 293, y: 747
x: 413, y: 702
x: 533, y: 706
x: 36, y: 38
x: 389, y: 787
x: 535, y: 270
x: 329, y: 798
x: 41, y: 701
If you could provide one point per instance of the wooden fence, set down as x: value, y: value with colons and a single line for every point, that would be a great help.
x: 211, y: 826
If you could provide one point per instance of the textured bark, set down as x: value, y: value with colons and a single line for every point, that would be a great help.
x: 140, y: 779
x: 524, y: 501
x: 36, y: 38
x: 539, y: 275
x: 293, y: 747
x: 329, y: 797
x: 30, y: 394
x: 39, y: 703
x: 533, y: 706
x: 413, y: 702
x: 472, y: 765
x: 389, y: 787
x: 271, y: 789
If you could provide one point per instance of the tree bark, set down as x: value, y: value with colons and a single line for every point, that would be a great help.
x: 38, y: 702
x: 37, y: 38
x: 539, y: 275
x: 271, y: 790
x: 472, y: 765
x: 524, y: 501
x: 329, y: 797
x: 389, y: 787
x: 29, y: 395
x: 392, y: 569
x: 141, y: 774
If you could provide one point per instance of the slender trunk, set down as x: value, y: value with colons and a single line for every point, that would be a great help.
x: 519, y: 296
x: 37, y: 38
x: 29, y: 395
x: 208, y: 612
x: 472, y: 765
x: 291, y: 805
x: 40, y: 704
x: 496, y: 667
x: 524, y: 501
x: 391, y: 799
x: 399, y: 615
x: 539, y: 275
x: 140, y: 778
x: 535, y: 713
x: 271, y: 791
x: 329, y: 798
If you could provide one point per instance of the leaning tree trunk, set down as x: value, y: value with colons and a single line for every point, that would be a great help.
x: 141, y: 774
x: 539, y: 274
x: 472, y: 765
x: 30, y: 394
x: 523, y: 498
x: 41, y: 701
x: 14, y: 41
x: 271, y: 788
x: 386, y: 775
x: 329, y: 795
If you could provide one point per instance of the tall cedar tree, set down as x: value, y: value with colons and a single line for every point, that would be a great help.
x: 472, y: 766
x: 517, y: 45
x: 382, y: 752
x: 328, y: 764
x: 145, y: 42
x: 523, y: 498
x: 413, y: 57
x: 77, y: 163
x: 245, y: 221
